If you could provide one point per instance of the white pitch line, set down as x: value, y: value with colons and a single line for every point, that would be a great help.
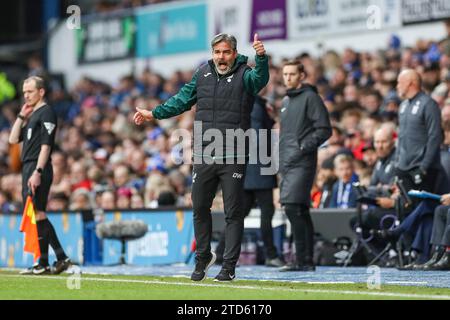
x: 247, y: 287
x: 407, y: 282
x: 332, y: 282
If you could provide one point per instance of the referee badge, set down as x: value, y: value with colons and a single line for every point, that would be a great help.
x: 50, y: 127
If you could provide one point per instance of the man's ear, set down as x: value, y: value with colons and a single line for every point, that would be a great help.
x: 303, y: 76
x: 42, y: 92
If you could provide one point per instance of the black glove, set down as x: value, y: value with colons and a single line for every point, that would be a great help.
x: 418, y: 175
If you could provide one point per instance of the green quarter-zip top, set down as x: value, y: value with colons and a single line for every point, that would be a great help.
x: 254, y: 80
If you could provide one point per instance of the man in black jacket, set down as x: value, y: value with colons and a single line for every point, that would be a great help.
x: 305, y: 125
x: 224, y: 91
x: 259, y: 183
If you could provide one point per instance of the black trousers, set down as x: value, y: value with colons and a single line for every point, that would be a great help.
x: 264, y: 198
x: 303, y: 231
x: 441, y: 226
x: 205, y: 181
x: 428, y: 184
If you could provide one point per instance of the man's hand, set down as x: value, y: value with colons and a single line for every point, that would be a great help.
x: 26, y: 110
x: 34, y: 182
x: 445, y: 199
x: 142, y: 115
x: 418, y: 175
x: 386, y: 203
x: 258, y: 46
x: 395, y: 192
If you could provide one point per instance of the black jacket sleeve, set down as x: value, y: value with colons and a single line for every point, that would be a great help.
x: 318, y: 114
x: 433, y: 124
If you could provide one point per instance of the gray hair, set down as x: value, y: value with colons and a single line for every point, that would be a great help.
x: 39, y: 82
x: 230, y: 39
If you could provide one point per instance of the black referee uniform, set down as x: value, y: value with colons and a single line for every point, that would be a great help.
x: 40, y: 130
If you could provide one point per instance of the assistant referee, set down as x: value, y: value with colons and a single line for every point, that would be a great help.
x: 36, y: 127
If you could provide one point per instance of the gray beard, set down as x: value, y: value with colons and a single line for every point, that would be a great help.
x: 222, y: 72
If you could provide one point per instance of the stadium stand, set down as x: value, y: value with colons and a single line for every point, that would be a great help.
x: 120, y: 165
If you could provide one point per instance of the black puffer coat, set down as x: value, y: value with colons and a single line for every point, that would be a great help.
x: 305, y: 125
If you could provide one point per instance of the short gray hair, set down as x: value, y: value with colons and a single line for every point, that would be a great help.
x: 230, y: 39
x: 38, y: 81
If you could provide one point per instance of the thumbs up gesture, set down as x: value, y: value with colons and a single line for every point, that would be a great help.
x: 258, y: 46
x: 142, y: 115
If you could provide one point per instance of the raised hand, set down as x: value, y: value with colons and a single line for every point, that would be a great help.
x: 26, y: 110
x: 142, y: 115
x: 445, y: 200
x: 258, y: 46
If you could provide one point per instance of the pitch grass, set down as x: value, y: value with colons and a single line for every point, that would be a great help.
x: 102, y: 287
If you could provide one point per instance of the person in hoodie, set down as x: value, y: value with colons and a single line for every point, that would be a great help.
x: 224, y: 90
x: 305, y: 126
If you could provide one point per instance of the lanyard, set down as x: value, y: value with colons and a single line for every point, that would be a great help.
x: 343, y: 195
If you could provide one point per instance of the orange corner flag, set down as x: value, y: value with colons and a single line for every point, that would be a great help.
x: 29, y: 227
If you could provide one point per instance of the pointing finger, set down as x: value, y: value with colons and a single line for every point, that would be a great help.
x: 139, y: 110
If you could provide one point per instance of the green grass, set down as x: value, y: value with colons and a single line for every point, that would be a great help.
x: 99, y: 287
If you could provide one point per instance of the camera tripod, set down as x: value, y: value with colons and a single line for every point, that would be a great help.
x: 359, y: 243
x: 400, y: 203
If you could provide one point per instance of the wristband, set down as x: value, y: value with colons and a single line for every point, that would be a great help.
x: 20, y: 116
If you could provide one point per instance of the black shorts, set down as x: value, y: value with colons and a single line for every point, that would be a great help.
x: 41, y: 196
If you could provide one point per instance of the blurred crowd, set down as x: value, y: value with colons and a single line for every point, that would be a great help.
x: 104, y: 161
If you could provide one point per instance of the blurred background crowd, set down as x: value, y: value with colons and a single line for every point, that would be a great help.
x: 103, y: 160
